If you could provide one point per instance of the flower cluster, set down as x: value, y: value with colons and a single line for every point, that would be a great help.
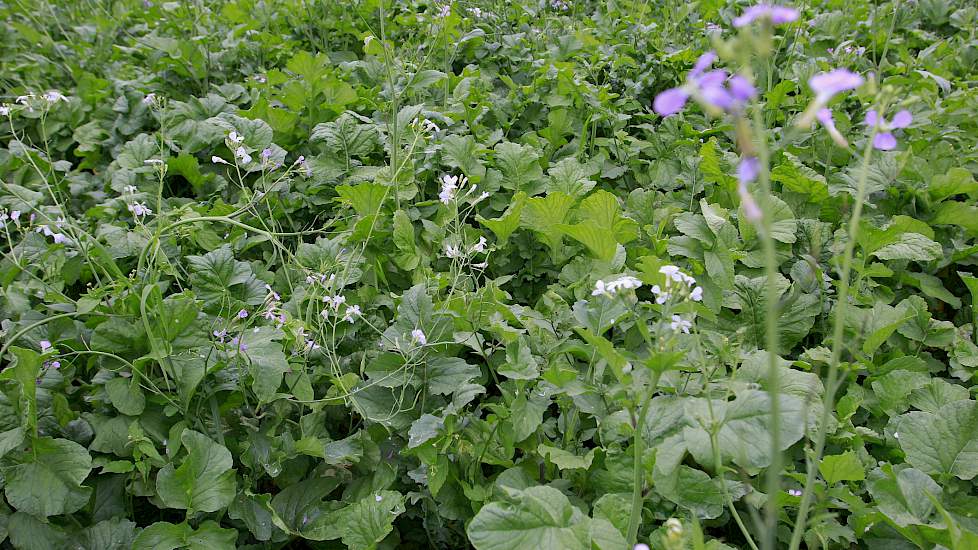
x: 826, y: 86
x: 676, y: 282
x: 451, y: 185
x: 273, y: 306
x: 612, y: 287
x: 716, y: 90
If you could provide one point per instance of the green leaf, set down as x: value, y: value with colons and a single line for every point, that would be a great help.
x: 463, y: 152
x: 297, y: 507
x: 902, y: 495
x: 408, y: 258
x: 363, y: 524
x: 111, y: 534
x: 797, y: 177
x: 957, y: 181
x: 565, y: 460
x: 30, y: 533
x: 25, y: 371
x: 539, y: 517
x: 126, y: 395
x: 347, y: 137
x: 520, y: 167
x: 47, y: 480
x: 783, y: 222
x: 445, y: 375
x: 505, y: 225
x: 365, y: 198
x: 570, y: 177
x: 543, y: 215
x: 957, y: 213
x: 266, y: 360
x: 843, y: 467
x: 910, y: 246
x: 204, y: 482
x: 745, y: 430
x: 599, y: 241
x: 167, y: 536
x: 223, y: 283
x: 520, y: 363
x: 942, y: 442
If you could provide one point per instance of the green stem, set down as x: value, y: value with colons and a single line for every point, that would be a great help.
x: 638, y: 476
x: 841, y: 310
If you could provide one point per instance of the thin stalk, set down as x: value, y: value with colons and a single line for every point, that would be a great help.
x: 771, y: 337
x: 841, y: 311
x: 638, y: 443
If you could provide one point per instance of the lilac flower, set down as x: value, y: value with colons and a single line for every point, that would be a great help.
x: 45, y: 345
x: 4, y: 110
x: 54, y: 96
x: 885, y: 140
x: 149, y: 99
x: 824, y: 116
x: 139, y: 209
x: 418, y: 336
x: 243, y: 314
x: 747, y: 172
x: 716, y: 90
x: 218, y: 160
x: 776, y: 14
x: 826, y: 86
x: 241, y: 154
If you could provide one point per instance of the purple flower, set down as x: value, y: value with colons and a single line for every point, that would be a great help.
x: 777, y: 15
x: 243, y: 314
x: 824, y: 116
x: 45, y: 345
x: 885, y: 140
x: 670, y: 101
x: 826, y: 86
x: 716, y: 89
x: 747, y: 171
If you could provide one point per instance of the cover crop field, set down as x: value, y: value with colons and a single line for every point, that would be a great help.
x: 528, y: 274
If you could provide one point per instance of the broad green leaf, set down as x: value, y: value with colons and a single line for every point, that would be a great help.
x: 445, y: 375
x: 464, y: 153
x: 25, y: 371
x: 360, y: 525
x: 168, y: 536
x: 599, y: 241
x: 543, y: 215
x: 204, y: 482
x: 520, y: 363
x: 538, y: 517
x: 47, y: 480
x: 570, y: 177
x: 297, y: 507
x: 842, y: 467
x: 423, y: 429
x: 111, y: 534
x: 745, y: 433
x: 223, y: 283
x: 957, y: 213
x: 520, y: 167
x: 365, y: 198
x: 942, y: 442
x: 266, y: 360
x: 957, y: 181
x: 784, y: 226
x: 408, y: 259
x: 799, y: 178
x: 505, y: 225
x: 30, y: 533
x: 565, y: 460
x: 910, y: 246
x: 347, y: 137
x: 126, y: 395
x: 902, y: 494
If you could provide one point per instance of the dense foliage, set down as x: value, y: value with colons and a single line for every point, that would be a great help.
x: 302, y: 273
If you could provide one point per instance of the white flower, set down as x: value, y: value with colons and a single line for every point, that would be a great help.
x: 219, y: 160
x: 132, y: 189
x: 660, y: 295
x: 794, y: 492
x: 418, y: 337
x: 674, y: 527
x: 241, y: 154
x: 14, y: 215
x: 150, y: 98
x: 430, y: 126
x: 4, y: 110
x: 156, y: 162
x: 481, y: 265
x: 611, y: 288
x: 480, y: 246
x: 449, y: 186
x: 678, y: 323
x: 445, y: 11
x: 452, y: 251
x: 23, y: 99
x: 697, y: 294
x: 54, y: 96
x: 235, y: 137
x: 599, y: 289
x: 476, y: 12
x: 672, y: 272
x: 351, y: 313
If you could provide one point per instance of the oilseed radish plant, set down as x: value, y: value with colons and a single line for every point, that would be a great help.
x: 532, y: 274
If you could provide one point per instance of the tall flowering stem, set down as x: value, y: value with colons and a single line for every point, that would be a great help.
x: 841, y: 311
